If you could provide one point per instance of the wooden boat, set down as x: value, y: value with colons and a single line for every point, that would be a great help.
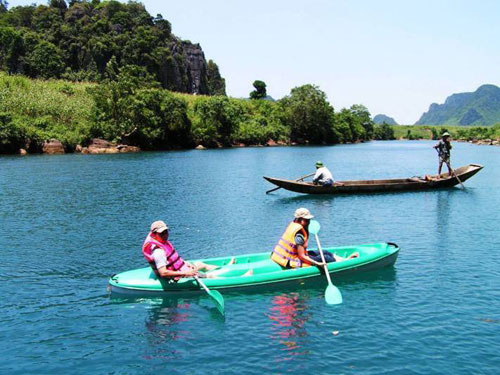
x: 371, y: 186
x: 264, y: 272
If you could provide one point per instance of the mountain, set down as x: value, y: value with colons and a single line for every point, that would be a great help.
x: 481, y: 107
x: 380, y: 119
x: 92, y: 41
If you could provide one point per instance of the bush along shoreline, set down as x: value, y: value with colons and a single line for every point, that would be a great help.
x: 129, y: 112
x: 481, y: 135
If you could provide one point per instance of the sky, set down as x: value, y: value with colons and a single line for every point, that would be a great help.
x: 395, y: 57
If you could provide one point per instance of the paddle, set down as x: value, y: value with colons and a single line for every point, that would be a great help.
x: 332, y: 293
x: 215, y: 295
x: 298, y: 179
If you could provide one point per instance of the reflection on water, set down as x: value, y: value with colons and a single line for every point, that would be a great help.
x: 289, y: 314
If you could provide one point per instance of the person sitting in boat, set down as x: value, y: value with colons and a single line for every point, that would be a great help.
x: 323, y: 176
x: 443, y: 148
x: 165, y: 260
x: 291, y: 250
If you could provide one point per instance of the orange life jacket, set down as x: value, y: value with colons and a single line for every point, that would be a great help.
x: 285, y: 252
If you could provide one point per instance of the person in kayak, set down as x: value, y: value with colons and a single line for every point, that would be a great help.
x: 165, y: 260
x: 291, y: 250
x: 443, y: 148
x: 323, y: 176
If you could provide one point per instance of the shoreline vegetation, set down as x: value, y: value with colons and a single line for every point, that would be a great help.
x: 132, y: 114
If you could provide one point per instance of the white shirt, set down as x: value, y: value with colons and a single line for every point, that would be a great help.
x: 323, y: 174
x: 159, y: 258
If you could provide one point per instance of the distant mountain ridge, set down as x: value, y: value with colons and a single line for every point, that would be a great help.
x: 481, y: 107
x: 381, y: 118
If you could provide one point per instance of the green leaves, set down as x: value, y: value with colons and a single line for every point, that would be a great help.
x: 260, y: 90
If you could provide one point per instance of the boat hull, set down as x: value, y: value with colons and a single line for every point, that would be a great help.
x: 377, y: 186
x: 266, y: 273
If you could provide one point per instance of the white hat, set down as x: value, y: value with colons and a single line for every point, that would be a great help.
x: 303, y: 213
x: 158, y: 227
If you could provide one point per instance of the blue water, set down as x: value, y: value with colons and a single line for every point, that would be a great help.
x: 69, y: 222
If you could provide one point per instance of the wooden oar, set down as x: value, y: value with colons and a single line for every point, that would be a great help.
x: 298, y: 179
x: 454, y: 174
x: 215, y: 295
x: 332, y: 293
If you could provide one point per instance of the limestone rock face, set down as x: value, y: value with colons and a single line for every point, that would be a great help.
x: 200, y: 147
x: 197, y: 68
x: 53, y: 147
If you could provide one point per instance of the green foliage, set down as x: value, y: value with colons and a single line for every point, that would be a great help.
x: 79, y: 43
x: 384, y: 132
x: 3, y: 6
x: 308, y: 115
x: 44, y: 61
x: 216, y: 84
x: 131, y: 107
x: 260, y: 90
x: 11, y: 48
x: 40, y: 110
x: 215, y: 120
x: 354, y: 124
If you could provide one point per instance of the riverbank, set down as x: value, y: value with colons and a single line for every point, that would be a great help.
x: 55, y: 116
x: 127, y: 115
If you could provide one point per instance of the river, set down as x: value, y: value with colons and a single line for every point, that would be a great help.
x: 69, y: 222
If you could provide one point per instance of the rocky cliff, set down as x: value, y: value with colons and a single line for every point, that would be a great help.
x: 481, y: 107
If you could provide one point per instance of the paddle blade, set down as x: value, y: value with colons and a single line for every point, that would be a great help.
x: 314, y: 227
x: 333, y: 295
x: 218, y: 299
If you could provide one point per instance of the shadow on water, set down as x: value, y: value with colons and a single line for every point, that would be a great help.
x: 315, y: 197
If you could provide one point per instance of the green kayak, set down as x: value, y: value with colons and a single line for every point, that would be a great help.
x: 253, y: 270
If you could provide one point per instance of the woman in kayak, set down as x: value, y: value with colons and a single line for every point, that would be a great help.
x: 165, y: 260
x: 291, y: 250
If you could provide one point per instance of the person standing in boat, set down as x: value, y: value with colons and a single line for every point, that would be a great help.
x: 291, y: 250
x: 164, y: 259
x: 443, y: 148
x: 323, y: 176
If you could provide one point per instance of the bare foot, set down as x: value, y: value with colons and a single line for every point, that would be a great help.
x: 231, y: 261
x: 354, y: 255
x: 248, y: 273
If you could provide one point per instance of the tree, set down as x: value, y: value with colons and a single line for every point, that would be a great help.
x: 44, y: 61
x: 3, y: 6
x: 308, y: 115
x: 260, y: 90
x: 60, y: 4
x: 384, y: 132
